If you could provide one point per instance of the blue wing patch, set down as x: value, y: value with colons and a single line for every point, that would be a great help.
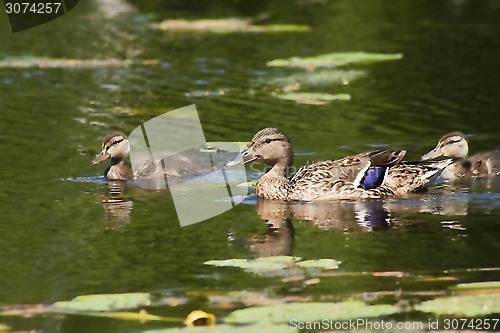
x: 374, y: 177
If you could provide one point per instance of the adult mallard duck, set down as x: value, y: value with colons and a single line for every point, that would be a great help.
x: 455, y: 145
x: 375, y: 174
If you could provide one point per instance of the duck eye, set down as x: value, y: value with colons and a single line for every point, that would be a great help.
x: 268, y: 140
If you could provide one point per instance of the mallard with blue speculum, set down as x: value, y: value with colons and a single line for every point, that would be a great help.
x: 375, y: 174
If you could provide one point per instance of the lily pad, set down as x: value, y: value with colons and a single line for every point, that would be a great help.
x: 312, y: 98
x: 247, y: 184
x: 275, y: 263
x: 477, y: 285
x: 320, y: 263
x: 321, y: 78
x: 221, y: 145
x: 309, y: 312
x: 223, y: 26
x: 27, y: 62
x: 334, y: 60
x: 105, y: 302
x: 229, y: 329
x: 136, y: 316
x: 469, y: 306
x: 265, y: 263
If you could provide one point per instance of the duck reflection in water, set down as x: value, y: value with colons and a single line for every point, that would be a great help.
x: 348, y: 216
x: 280, y: 235
x: 117, y: 205
x: 278, y: 240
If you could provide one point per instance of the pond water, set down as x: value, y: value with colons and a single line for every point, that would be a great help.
x: 64, y: 233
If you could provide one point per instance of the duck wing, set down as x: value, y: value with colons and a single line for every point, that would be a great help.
x: 410, y: 177
x: 312, y: 181
x: 357, y: 172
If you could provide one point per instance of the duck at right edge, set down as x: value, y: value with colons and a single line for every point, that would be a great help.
x: 454, y: 145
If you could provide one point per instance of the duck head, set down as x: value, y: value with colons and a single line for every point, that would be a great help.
x: 114, y: 145
x: 271, y: 146
x: 451, y: 145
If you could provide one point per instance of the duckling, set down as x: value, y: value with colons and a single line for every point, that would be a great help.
x: 455, y: 145
x: 375, y: 174
x: 115, y: 146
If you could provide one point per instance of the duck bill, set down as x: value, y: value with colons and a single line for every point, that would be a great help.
x: 100, y: 157
x: 432, y: 154
x: 245, y: 157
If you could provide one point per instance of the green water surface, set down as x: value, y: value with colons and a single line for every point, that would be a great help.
x: 60, y: 238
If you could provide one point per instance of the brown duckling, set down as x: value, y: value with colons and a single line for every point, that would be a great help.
x: 454, y: 144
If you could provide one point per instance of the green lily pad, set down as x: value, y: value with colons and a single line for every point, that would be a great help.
x: 309, y: 312
x: 228, y: 263
x: 275, y: 263
x: 105, y: 302
x: 229, y: 329
x: 224, y: 26
x: 265, y: 263
x: 247, y: 184
x: 469, y: 306
x: 40, y: 62
x: 477, y: 285
x: 243, y: 145
x: 320, y: 263
x: 334, y: 60
x: 134, y: 316
x: 320, y: 78
x: 312, y: 98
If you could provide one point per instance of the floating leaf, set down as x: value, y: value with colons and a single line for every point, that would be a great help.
x: 138, y: 316
x: 265, y: 263
x: 228, y: 263
x: 247, y: 184
x: 320, y: 263
x: 241, y: 144
x: 105, y: 302
x: 477, y: 285
x: 267, y: 327
x: 312, y: 98
x: 204, y: 93
x: 275, y: 263
x: 334, y: 59
x: 469, y: 306
x: 27, y: 62
x: 24, y: 310
x: 228, y: 26
x: 309, y: 312
x: 199, y: 318
x: 325, y: 77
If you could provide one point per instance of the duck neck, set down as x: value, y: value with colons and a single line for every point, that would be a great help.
x: 279, y: 170
x: 274, y: 185
x: 115, y: 160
